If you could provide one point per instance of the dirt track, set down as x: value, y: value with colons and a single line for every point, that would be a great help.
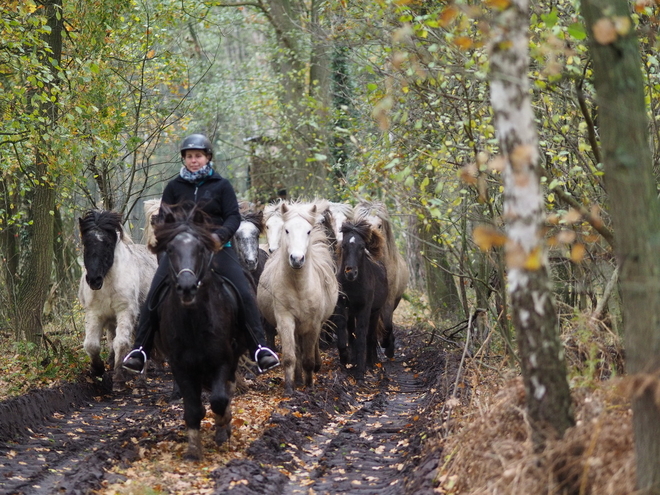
x: 350, y: 439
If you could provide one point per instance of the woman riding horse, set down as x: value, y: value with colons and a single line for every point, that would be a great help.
x: 199, y: 183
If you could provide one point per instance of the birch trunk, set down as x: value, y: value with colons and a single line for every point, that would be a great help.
x: 532, y: 305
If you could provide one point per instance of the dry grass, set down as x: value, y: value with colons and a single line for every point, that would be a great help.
x: 486, y: 442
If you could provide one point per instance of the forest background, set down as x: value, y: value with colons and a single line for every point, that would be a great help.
x: 386, y: 100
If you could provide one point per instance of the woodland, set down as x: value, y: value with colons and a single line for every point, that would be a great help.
x: 516, y: 144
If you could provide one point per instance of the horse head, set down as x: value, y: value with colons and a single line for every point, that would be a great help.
x: 353, y: 248
x: 99, y: 231
x: 246, y: 239
x: 186, y: 235
x: 273, y: 222
x: 296, y: 229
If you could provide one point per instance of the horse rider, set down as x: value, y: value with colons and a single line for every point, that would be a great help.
x: 198, y: 182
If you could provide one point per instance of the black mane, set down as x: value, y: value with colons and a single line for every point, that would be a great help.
x: 107, y: 221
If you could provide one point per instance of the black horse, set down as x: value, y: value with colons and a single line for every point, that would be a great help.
x: 363, y: 281
x: 199, y: 322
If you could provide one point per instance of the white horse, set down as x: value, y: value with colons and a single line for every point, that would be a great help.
x: 273, y: 223
x: 114, y: 284
x: 273, y: 218
x: 298, y: 292
x: 398, y: 274
x: 341, y: 212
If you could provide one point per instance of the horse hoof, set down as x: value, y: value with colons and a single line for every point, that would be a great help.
x: 222, y: 435
x: 192, y: 456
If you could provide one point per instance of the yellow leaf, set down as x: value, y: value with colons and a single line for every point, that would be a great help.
x: 150, y: 54
x: 621, y: 24
x: 468, y: 173
x: 498, y: 4
x: 463, y: 42
x: 487, y: 237
x: 604, y: 31
x: 448, y: 15
x: 572, y: 216
x: 577, y: 253
x: 534, y: 260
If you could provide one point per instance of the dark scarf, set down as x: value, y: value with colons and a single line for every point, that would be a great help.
x: 200, y: 175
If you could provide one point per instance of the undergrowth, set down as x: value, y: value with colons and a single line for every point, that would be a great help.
x: 59, y: 357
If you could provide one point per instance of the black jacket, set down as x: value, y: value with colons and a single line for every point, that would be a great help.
x: 216, y: 197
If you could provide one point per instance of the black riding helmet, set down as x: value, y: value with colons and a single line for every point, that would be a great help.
x: 197, y: 142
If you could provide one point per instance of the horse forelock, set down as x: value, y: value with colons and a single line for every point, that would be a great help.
x: 272, y: 209
x: 256, y: 218
x: 183, y: 221
x: 108, y: 222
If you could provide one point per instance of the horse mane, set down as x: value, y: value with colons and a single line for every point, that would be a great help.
x: 373, y: 239
x: 343, y: 208
x: 180, y: 218
x: 150, y: 208
x: 365, y: 209
x: 273, y: 209
x: 256, y: 218
x: 108, y: 221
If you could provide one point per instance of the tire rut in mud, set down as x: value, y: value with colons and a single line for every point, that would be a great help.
x: 61, y: 440
x: 357, y: 440
x: 342, y: 438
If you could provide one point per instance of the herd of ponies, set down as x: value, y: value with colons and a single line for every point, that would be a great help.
x: 327, y: 272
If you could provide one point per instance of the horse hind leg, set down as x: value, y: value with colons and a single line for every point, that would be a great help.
x: 121, y: 345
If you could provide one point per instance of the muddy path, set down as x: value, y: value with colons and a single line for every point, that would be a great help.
x: 343, y: 438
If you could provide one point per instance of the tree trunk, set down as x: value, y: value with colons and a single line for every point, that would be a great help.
x: 635, y: 213
x: 532, y: 305
x: 35, y: 277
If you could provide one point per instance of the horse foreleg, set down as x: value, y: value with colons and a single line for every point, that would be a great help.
x: 193, y: 413
x: 309, y: 353
x: 92, y: 344
x: 339, y: 318
x: 361, y: 329
x: 286, y: 327
x: 221, y: 393
x: 388, y: 328
x: 372, y: 339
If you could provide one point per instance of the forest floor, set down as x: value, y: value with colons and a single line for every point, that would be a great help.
x: 431, y: 420
x: 341, y: 438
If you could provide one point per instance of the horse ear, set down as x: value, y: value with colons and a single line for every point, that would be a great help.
x: 284, y: 208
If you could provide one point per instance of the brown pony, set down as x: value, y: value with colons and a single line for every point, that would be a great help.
x: 398, y: 274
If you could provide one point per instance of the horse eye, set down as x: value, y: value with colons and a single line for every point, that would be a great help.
x: 308, y: 232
